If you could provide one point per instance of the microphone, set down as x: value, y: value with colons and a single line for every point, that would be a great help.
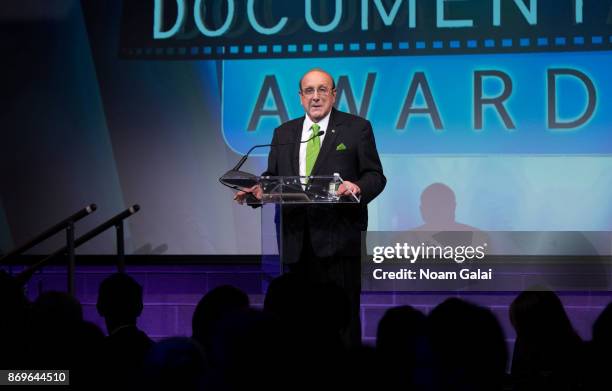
x: 240, y: 180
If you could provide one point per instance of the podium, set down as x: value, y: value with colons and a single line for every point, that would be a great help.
x: 301, y: 190
x: 277, y: 192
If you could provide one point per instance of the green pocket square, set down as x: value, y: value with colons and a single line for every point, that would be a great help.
x: 341, y: 147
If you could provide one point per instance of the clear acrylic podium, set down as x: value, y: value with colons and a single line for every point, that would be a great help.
x: 301, y: 190
x: 277, y: 192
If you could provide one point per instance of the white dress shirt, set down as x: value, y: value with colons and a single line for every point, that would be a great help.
x: 306, y: 134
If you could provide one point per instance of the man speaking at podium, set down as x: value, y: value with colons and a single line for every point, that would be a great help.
x: 322, y: 243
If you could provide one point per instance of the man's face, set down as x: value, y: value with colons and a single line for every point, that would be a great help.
x: 316, y: 95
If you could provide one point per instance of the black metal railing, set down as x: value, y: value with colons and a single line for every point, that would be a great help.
x: 67, y: 224
x: 72, y: 243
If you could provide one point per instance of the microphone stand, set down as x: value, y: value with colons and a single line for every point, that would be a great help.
x: 240, y: 180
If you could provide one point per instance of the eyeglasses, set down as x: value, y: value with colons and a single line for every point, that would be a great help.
x: 321, y: 91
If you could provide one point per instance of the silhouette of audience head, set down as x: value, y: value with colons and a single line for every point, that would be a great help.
x: 538, y: 316
x: 291, y: 298
x: 56, y: 327
x: 174, y: 364
x: 402, y: 347
x: 12, y: 297
x: 119, y: 301
x: 468, y: 346
x: 287, y: 297
x: 246, y: 344
x: 315, y: 320
x: 14, y: 312
x: 547, y: 350
x: 212, y: 307
x: 56, y: 311
x: 438, y: 204
x: 400, y: 330
x: 600, y: 350
x: 602, y: 328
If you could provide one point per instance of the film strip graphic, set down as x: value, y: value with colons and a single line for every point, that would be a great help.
x: 377, y: 48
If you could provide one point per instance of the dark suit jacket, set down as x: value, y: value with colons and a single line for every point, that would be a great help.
x: 333, y: 229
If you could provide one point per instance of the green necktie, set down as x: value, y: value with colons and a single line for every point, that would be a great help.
x: 312, y: 149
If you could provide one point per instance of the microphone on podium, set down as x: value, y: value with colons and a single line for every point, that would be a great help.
x: 240, y: 180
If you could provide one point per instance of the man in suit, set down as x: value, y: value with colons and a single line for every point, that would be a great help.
x: 323, y: 242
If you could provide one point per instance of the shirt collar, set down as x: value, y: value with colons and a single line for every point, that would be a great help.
x: 323, y: 123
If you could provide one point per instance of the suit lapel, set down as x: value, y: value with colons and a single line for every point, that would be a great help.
x: 297, y: 136
x: 329, y: 141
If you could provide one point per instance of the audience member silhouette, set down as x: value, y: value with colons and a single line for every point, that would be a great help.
x: 403, y: 349
x: 210, y: 310
x: 60, y: 339
x: 602, y: 330
x: 314, y: 318
x: 400, y: 331
x: 548, y: 354
x: 250, y: 351
x: 288, y: 297
x: 120, y: 304
x: 468, y: 345
x: 14, y: 312
x: 174, y: 364
x: 310, y: 309
x: 365, y: 371
x: 295, y: 343
x: 600, y: 353
x: 55, y: 322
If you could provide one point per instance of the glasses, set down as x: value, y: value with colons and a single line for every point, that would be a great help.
x: 321, y: 91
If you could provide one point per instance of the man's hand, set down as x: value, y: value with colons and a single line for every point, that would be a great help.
x: 243, y: 194
x: 347, y: 187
